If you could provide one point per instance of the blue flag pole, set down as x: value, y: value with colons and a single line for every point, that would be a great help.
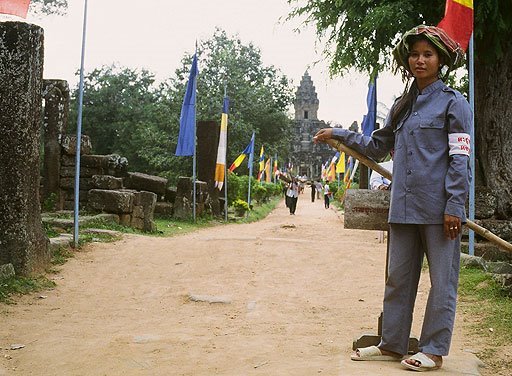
x: 194, y: 159
x: 187, y: 135
x: 226, y: 163
x: 251, y: 159
x: 472, y: 146
x: 79, y: 133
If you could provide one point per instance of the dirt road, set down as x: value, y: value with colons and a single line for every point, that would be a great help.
x: 289, y: 293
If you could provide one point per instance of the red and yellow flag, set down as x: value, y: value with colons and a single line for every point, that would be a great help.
x: 267, y: 171
x: 220, y: 166
x: 15, y: 7
x: 458, y: 21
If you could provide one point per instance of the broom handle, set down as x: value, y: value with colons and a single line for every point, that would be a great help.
x: 385, y: 173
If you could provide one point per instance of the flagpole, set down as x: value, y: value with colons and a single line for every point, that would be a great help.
x: 194, y: 158
x: 472, y: 146
x: 225, y: 166
x: 79, y: 133
x: 251, y: 159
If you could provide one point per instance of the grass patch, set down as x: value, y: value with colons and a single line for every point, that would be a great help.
x: 61, y: 255
x: 22, y: 285
x: 488, y: 317
x: 488, y: 303
x: 261, y: 211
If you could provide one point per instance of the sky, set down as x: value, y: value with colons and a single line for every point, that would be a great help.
x: 155, y: 34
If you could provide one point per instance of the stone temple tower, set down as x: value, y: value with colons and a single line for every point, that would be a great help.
x: 307, y: 158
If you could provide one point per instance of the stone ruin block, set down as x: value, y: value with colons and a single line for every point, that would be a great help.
x: 183, y: 203
x: 146, y: 201
x: 144, y: 182
x: 69, y: 183
x: 85, y: 172
x: 501, y: 228
x: 170, y: 194
x: 106, y: 182
x: 68, y: 144
x: 110, y: 201
x: 164, y: 208
x: 24, y: 243
x: 485, y: 203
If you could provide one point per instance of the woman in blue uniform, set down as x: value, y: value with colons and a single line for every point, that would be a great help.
x: 428, y: 127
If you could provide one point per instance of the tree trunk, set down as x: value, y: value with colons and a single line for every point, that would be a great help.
x: 22, y: 240
x: 493, y: 130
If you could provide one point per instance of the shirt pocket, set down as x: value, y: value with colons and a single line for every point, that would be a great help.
x: 432, y: 133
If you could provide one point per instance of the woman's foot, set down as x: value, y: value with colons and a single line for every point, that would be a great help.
x: 423, y: 362
x: 375, y: 353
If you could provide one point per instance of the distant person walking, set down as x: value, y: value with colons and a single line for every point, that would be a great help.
x: 313, y: 191
x: 292, y: 195
x: 327, y: 195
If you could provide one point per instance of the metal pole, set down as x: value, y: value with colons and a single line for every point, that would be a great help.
x: 194, y: 159
x: 225, y: 164
x: 472, y: 146
x: 79, y: 133
x: 251, y: 160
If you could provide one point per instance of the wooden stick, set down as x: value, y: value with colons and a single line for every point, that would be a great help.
x: 376, y: 167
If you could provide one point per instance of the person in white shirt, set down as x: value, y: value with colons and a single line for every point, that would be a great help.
x: 377, y: 181
x: 327, y: 194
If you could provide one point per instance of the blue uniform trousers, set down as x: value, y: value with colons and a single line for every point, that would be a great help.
x: 408, y: 244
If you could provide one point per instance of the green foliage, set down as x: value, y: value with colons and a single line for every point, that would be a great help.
x: 362, y: 33
x: 240, y: 205
x: 259, y: 193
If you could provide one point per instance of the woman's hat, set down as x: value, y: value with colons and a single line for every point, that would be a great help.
x: 450, y: 51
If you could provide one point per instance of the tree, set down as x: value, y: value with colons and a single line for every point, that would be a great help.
x: 123, y: 111
x: 126, y: 112
x: 259, y: 95
x: 362, y: 33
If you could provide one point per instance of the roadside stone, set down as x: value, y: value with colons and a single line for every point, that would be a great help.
x: 164, y: 208
x: 498, y: 267
x: 68, y: 144
x: 144, y: 182
x: 6, y: 271
x: 106, y: 182
x: 472, y: 261
x: 110, y: 201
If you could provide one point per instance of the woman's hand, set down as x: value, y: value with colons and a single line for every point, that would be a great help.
x: 322, y: 135
x: 452, y: 226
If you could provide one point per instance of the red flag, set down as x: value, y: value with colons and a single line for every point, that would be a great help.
x: 458, y: 21
x: 15, y: 7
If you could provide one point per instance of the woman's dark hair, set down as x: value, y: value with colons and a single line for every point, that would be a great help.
x: 404, y: 104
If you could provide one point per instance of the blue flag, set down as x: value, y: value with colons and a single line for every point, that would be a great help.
x: 186, y: 137
x: 368, y: 124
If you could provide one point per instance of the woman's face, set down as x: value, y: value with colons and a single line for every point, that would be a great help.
x: 424, y: 63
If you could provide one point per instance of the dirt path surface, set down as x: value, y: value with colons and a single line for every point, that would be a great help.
x: 290, y: 293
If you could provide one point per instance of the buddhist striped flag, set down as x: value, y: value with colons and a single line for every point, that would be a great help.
x: 261, y: 163
x: 458, y: 21
x: 220, y: 167
x: 267, y: 170
x: 247, y: 151
x: 15, y: 7
x: 331, y: 175
x: 340, y: 166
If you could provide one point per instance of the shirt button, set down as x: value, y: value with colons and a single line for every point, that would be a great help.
x: 409, y: 172
x: 410, y: 153
x: 415, y: 113
x: 411, y: 132
x: 408, y: 190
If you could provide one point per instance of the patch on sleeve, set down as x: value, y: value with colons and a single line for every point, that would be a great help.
x: 459, y: 143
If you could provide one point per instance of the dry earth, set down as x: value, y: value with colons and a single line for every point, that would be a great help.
x: 290, y: 294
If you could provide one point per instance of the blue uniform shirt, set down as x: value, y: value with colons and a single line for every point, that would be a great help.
x: 431, y: 171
